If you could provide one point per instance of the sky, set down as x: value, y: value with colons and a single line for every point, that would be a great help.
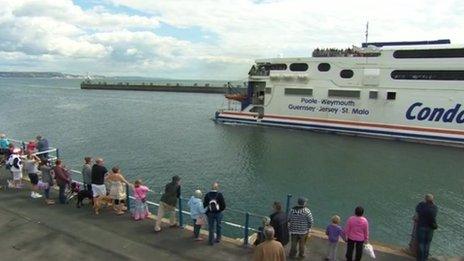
x: 203, y: 39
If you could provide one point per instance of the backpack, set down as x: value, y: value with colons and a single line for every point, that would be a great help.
x: 213, y: 204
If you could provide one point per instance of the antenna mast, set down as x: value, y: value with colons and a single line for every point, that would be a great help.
x: 367, y: 32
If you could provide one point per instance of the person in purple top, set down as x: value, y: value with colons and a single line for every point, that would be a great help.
x: 333, y: 231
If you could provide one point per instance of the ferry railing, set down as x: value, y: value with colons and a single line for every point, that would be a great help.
x: 55, y: 152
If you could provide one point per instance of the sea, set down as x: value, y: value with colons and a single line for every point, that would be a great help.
x: 155, y: 135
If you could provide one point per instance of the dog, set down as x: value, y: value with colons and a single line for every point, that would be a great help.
x: 101, y: 201
x: 83, y: 194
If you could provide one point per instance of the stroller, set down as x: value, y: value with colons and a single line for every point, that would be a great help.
x: 73, y: 190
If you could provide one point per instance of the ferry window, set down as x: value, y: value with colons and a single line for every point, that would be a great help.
x: 431, y: 53
x: 346, y: 74
x: 299, y: 91
x: 298, y: 67
x: 268, y: 90
x: 278, y: 67
x: 391, y: 95
x: 345, y: 93
x: 373, y: 94
x: 433, y: 75
x: 323, y: 67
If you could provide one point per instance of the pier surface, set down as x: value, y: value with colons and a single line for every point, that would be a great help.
x: 31, y: 230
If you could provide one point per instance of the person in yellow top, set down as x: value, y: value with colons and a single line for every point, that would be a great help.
x: 270, y: 249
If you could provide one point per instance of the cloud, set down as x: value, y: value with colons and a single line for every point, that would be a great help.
x: 120, y: 36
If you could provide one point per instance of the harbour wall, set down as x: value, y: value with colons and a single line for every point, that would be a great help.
x: 157, y: 87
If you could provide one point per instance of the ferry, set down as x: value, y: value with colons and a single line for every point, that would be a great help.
x: 400, y: 90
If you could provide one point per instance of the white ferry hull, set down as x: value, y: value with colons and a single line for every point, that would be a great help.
x: 378, y: 130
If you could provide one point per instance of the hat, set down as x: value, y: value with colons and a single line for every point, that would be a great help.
x: 302, y: 201
x: 175, y: 178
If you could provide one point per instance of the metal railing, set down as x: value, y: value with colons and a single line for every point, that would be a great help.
x: 247, y: 216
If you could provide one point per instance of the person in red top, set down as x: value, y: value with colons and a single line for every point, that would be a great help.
x: 357, y: 233
x: 62, y: 179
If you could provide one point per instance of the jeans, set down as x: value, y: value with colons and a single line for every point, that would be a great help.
x: 214, y: 218
x: 196, y: 228
x: 61, y: 195
x: 47, y: 193
x: 332, y: 251
x: 350, y: 247
x: 424, y: 238
x: 300, y: 240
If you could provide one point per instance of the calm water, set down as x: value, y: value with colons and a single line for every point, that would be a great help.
x: 154, y: 135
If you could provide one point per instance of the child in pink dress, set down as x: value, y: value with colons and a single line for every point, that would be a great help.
x: 140, y: 209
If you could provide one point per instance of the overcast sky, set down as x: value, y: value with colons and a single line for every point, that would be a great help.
x: 203, y: 39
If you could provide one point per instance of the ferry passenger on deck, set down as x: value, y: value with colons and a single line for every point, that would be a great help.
x: 168, y: 203
x: 62, y: 180
x: 197, y: 213
x: 140, y: 209
x: 426, y: 212
x: 301, y: 220
x: 87, y: 173
x: 117, y: 191
x: 270, y: 249
x: 357, y: 233
x: 214, y: 203
x: 98, y: 179
x: 279, y: 221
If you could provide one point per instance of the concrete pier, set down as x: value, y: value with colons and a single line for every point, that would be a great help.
x: 155, y: 87
x: 31, y: 230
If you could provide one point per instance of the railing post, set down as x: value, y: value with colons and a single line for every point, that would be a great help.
x: 246, y: 231
x: 57, y: 153
x: 287, y: 208
x: 181, y: 217
x: 127, y: 195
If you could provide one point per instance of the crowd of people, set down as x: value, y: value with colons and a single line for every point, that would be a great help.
x: 337, y: 52
x: 275, y: 233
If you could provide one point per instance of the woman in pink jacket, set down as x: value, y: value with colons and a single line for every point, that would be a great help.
x: 357, y: 233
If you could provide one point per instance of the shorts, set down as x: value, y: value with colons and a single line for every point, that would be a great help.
x: 33, y: 178
x: 17, y: 175
x: 98, y: 190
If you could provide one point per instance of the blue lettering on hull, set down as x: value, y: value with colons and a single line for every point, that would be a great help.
x: 423, y: 113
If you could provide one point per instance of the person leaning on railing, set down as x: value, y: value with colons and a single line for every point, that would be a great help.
x: 168, y: 203
x: 62, y: 178
x: 215, y: 204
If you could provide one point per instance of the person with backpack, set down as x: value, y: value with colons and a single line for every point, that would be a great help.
x: 214, y: 203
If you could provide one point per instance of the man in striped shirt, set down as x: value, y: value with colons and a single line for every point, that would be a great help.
x: 300, y: 223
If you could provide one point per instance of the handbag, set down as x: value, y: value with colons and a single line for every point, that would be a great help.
x: 369, y: 250
x: 201, y: 220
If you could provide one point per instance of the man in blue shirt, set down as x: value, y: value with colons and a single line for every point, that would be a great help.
x: 42, y: 145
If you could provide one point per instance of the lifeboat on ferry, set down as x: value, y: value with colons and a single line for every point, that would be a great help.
x: 235, y: 96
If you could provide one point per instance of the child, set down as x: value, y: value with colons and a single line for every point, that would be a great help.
x: 140, y: 209
x: 197, y: 213
x: 260, y: 235
x: 334, y: 232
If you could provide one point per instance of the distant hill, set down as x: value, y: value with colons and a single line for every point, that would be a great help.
x: 55, y: 75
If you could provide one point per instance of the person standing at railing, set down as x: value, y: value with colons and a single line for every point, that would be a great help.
x: 15, y: 164
x: 357, y: 233
x: 42, y: 145
x: 31, y: 165
x: 140, y: 209
x: 62, y: 178
x: 301, y: 221
x: 426, y: 213
x: 168, y: 203
x: 117, y: 191
x: 4, y: 143
x: 98, y: 179
x: 47, y: 178
x: 270, y: 249
x: 31, y: 146
x: 279, y: 221
x: 214, y: 203
x: 197, y: 212
x: 87, y: 173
